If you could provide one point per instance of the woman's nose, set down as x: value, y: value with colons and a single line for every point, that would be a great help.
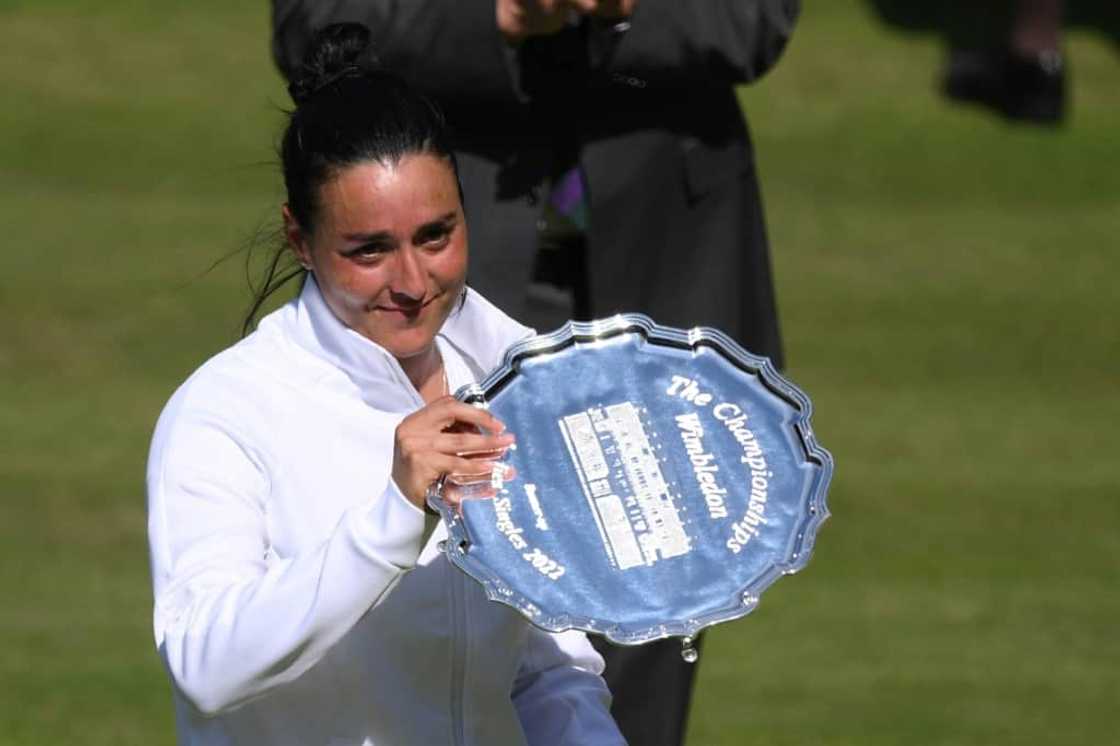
x: 409, y: 279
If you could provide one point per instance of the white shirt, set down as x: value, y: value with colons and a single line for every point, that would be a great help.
x: 299, y: 597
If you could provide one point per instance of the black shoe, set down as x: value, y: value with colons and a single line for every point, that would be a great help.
x: 1025, y: 88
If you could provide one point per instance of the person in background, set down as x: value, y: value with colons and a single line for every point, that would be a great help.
x: 607, y: 168
x: 300, y: 595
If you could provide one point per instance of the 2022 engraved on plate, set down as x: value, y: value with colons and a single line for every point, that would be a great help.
x: 664, y: 479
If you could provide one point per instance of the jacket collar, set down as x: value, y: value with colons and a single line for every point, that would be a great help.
x: 478, y: 332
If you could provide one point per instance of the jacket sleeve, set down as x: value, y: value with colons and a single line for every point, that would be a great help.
x: 448, y: 48
x: 232, y: 621
x: 560, y: 696
x: 699, y: 43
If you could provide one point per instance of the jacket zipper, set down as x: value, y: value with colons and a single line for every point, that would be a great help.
x: 458, y: 657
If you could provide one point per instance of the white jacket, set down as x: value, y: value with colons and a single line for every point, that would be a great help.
x: 299, y: 597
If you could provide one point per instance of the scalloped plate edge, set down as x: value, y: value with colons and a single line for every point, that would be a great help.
x: 576, y: 332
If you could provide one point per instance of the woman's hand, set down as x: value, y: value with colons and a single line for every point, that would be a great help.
x: 446, y: 437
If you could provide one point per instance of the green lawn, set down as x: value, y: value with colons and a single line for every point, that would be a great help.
x: 946, y: 283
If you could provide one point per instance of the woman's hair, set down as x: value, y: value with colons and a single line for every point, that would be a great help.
x: 348, y: 111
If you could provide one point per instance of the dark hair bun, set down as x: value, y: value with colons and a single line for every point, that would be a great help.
x: 338, y: 51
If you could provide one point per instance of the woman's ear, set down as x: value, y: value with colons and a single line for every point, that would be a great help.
x: 297, y: 242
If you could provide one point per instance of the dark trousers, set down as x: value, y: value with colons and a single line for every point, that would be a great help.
x: 652, y: 686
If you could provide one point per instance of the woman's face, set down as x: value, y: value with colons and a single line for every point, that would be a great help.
x: 389, y: 250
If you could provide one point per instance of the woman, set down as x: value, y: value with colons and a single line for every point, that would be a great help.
x: 301, y: 597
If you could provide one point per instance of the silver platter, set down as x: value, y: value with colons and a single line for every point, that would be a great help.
x: 664, y: 479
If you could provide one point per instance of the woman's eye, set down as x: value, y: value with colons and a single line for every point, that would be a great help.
x: 435, y: 236
x: 368, y: 251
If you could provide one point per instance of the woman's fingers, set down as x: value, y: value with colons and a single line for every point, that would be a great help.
x: 480, y: 418
x: 490, y: 472
x: 447, y: 437
x: 472, y: 478
x: 472, y: 444
x: 448, y: 412
x: 460, y: 487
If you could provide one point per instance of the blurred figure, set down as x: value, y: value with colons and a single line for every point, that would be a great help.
x: 606, y: 167
x: 1021, y: 74
x: 1006, y: 55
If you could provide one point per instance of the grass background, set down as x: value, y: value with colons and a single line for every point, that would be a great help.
x: 947, y: 288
